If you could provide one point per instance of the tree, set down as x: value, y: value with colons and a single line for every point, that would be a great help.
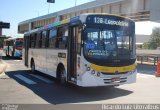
x: 155, y: 39
x: 145, y: 45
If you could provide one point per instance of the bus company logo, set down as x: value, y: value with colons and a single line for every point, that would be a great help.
x: 9, y: 107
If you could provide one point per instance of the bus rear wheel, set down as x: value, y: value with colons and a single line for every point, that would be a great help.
x: 62, y: 77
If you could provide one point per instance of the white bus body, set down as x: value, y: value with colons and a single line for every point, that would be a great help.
x: 77, y: 69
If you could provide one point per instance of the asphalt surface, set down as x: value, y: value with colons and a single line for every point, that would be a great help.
x: 19, y: 86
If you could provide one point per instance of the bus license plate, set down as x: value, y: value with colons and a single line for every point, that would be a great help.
x: 115, y: 79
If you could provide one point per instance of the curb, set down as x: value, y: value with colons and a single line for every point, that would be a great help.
x: 3, y: 66
x: 2, y: 74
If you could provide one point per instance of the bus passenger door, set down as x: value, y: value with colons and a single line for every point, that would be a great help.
x: 72, y: 54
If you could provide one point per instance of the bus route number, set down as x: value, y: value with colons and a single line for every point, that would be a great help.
x: 98, y: 20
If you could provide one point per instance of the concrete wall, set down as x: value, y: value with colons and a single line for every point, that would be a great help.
x: 148, y: 52
x: 138, y: 10
x: 155, y: 10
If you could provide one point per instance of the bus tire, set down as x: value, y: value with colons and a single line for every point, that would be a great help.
x: 61, y: 75
x: 33, y: 66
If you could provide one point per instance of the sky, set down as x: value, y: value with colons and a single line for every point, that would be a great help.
x: 15, y: 11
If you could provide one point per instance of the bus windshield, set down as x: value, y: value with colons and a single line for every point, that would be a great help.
x: 19, y: 43
x: 101, y: 43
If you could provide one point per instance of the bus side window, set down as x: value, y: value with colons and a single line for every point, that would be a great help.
x: 52, y: 38
x: 40, y: 40
x: 62, y: 37
x: 26, y: 42
x: 33, y: 40
x: 47, y: 39
x: 44, y: 35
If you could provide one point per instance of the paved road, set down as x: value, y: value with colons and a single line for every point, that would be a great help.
x: 20, y: 86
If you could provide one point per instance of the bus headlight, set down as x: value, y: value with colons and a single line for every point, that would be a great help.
x: 98, y: 74
x: 87, y: 67
x: 92, y: 72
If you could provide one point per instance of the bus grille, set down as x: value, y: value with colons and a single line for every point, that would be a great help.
x: 115, y: 80
x: 113, y: 73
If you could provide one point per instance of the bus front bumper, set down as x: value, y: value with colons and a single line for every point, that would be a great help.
x: 92, y: 80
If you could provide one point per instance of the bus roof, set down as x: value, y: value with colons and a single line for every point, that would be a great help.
x: 81, y: 17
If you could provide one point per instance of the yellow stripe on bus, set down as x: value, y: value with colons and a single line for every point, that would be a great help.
x: 65, y: 21
x: 113, y: 69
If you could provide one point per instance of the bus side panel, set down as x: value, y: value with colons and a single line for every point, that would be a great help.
x: 39, y: 57
x: 53, y: 60
x: 47, y: 60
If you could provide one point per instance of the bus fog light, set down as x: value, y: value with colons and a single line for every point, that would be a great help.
x: 98, y: 74
x: 88, y: 68
x: 92, y: 72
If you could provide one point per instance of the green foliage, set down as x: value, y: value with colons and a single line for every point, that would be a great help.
x: 145, y: 45
x: 155, y: 39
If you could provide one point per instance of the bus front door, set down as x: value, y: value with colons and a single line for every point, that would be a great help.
x: 72, y: 54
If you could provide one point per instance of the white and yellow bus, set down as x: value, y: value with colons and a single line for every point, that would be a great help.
x: 86, y: 50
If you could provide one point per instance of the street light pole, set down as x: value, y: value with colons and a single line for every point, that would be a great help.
x: 50, y: 1
x: 48, y: 8
x: 75, y: 2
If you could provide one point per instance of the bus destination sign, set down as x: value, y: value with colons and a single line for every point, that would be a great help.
x: 107, y: 20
